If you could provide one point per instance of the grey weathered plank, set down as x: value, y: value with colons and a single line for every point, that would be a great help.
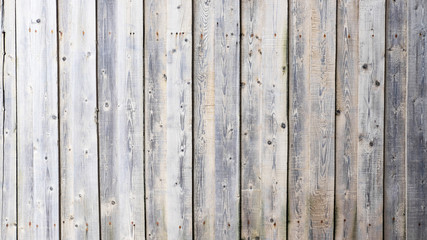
x: 416, y: 124
x: 204, y: 119
x: 168, y: 120
x: 121, y: 117
x: 37, y: 116
x: 371, y: 119
x: 8, y: 123
x: 218, y: 33
x: 299, y: 119
x: 78, y: 126
x: 264, y: 119
x: 322, y: 119
x: 312, y: 119
x: 395, y: 121
x: 346, y: 119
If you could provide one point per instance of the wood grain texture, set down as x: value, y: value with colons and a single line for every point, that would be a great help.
x: 78, y: 123
x: 416, y: 124
x: 219, y: 39
x: 168, y: 120
x: 299, y: 119
x: 204, y: 119
x: 371, y: 119
x: 37, y: 89
x: 395, y: 121
x: 346, y: 138
x: 264, y: 119
x: 121, y: 116
x: 8, y: 210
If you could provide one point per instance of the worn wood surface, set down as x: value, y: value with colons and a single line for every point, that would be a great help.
x: 78, y: 126
x: 395, y: 120
x: 346, y: 137
x: 264, y: 120
x: 231, y: 119
x: 416, y: 123
x: 371, y: 119
x: 37, y: 119
x: 8, y: 209
x: 120, y: 36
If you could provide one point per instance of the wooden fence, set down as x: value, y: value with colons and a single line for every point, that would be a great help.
x: 213, y: 119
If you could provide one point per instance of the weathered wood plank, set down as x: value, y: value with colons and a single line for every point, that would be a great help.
x: 312, y: 83
x: 204, y: 119
x: 78, y: 126
x: 121, y: 117
x: 346, y: 119
x: 322, y: 119
x: 299, y: 119
x: 168, y: 121
x: 37, y: 91
x: 416, y: 123
x: 264, y: 119
x: 371, y: 119
x: 219, y: 40
x: 8, y: 123
x: 395, y: 121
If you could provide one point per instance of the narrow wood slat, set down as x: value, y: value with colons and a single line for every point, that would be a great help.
x: 312, y: 119
x: 37, y: 91
x: 395, y: 121
x: 346, y: 119
x: 78, y: 126
x: 416, y: 124
x: 168, y: 120
x: 371, y: 119
x: 121, y: 117
x: 264, y: 119
x: 8, y: 123
x: 218, y: 34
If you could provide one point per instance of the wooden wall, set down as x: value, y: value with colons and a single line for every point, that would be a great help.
x: 203, y: 119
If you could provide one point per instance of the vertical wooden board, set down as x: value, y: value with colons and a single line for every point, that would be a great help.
x: 371, y: 119
x: 217, y: 108
x: 264, y: 119
x: 227, y: 119
x: 299, y: 119
x: 204, y: 119
x: 121, y: 117
x: 78, y: 126
x: 169, y: 122
x: 346, y: 119
x: 395, y: 121
x: 322, y: 119
x: 8, y: 123
x: 37, y: 89
x: 416, y: 126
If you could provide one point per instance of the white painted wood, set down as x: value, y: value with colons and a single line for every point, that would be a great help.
x: 37, y: 89
x: 264, y: 119
x: 8, y: 123
x: 78, y: 126
x: 121, y: 116
x: 371, y: 119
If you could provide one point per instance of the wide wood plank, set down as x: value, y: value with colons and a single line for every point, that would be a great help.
x: 264, y: 119
x: 395, y: 121
x: 168, y: 121
x: 346, y: 119
x: 121, y: 117
x: 8, y: 123
x: 37, y: 91
x: 416, y: 124
x: 78, y: 123
x: 218, y: 38
x: 371, y: 119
